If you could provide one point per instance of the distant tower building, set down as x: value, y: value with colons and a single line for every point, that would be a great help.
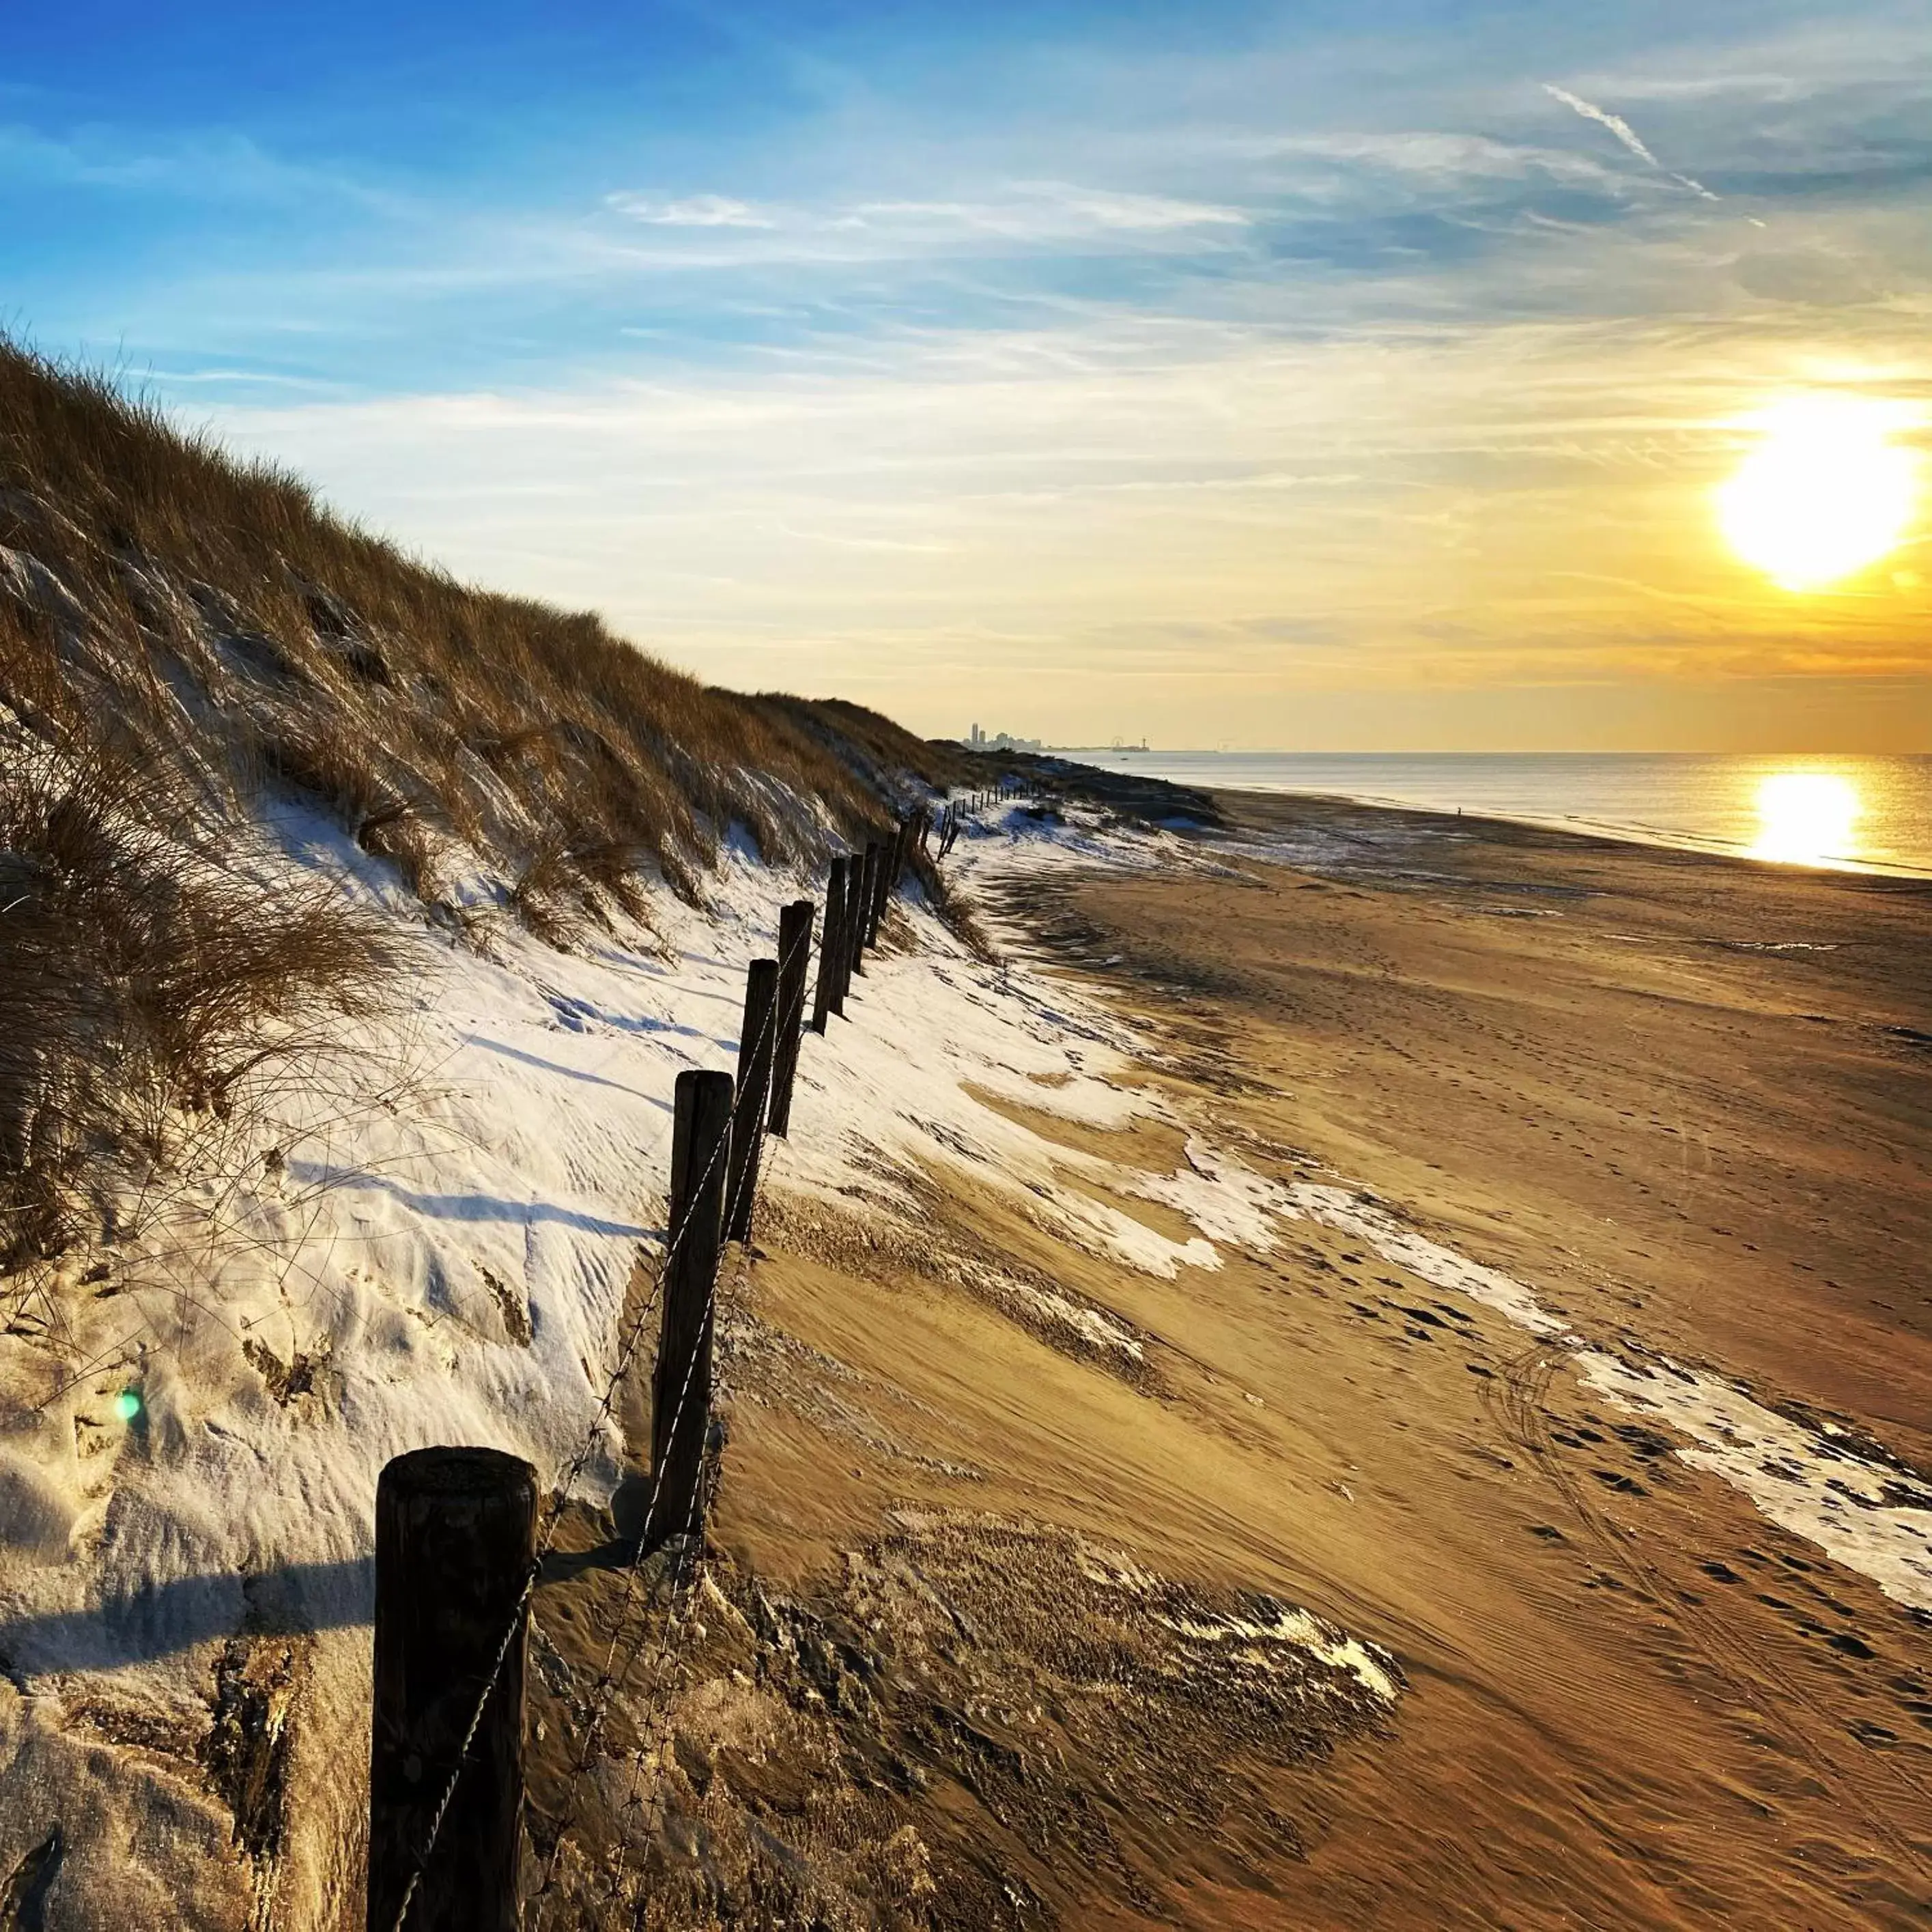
x: 979, y: 736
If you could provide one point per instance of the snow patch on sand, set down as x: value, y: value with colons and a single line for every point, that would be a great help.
x: 1868, y: 1518
x: 1353, y: 1213
x: 1368, y: 1665
x: 1864, y: 1516
x: 1226, y: 1199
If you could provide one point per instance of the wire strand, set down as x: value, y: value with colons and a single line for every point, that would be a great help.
x: 627, y: 1353
x: 609, y: 1677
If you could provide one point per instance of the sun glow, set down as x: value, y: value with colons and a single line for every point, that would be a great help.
x: 1806, y: 817
x: 1826, y: 492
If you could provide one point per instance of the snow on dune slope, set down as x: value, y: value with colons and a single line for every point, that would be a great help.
x: 437, y: 1250
x: 431, y: 1243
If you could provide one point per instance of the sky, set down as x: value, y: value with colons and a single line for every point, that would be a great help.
x: 1317, y: 376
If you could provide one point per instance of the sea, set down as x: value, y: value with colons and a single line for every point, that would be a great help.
x: 1868, y: 814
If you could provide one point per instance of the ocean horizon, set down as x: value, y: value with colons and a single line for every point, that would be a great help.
x: 1856, y: 812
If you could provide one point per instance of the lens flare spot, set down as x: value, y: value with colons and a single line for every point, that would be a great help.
x: 1807, y: 818
x: 127, y: 1404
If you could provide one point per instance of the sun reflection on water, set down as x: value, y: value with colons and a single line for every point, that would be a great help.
x: 1807, y: 818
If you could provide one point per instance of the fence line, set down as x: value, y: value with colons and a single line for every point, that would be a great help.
x: 702, y: 1217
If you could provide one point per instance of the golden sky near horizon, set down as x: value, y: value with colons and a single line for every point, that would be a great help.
x: 1242, y: 374
x: 1506, y: 540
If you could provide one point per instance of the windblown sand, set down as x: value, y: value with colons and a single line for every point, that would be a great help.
x: 1683, y: 1100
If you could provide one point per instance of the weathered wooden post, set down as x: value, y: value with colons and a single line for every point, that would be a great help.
x: 901, y: 852
x: 681, y: 1385
x: 882, y: 884
x: 794, y: 957
x: 867, y: 869
x: 756, y: 1043
x: 827, y: 999
x: 850, y: 912
x: 864, y: 868
x: 876, y: 852
x: 455, y: 1540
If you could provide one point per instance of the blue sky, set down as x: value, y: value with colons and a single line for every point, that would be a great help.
x: 1317, y: 374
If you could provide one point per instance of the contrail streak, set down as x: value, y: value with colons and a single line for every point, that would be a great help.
x: 1625, y: 133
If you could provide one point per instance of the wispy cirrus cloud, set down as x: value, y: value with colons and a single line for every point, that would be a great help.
x: 696, y: 210
x: 1047, y: 210
x: 1020, y: 211
x: 1446, y: 157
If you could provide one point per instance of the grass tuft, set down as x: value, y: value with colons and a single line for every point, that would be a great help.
x: 145, y: 978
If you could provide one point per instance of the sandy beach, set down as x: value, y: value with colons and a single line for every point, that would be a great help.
x: 1681, y: 1101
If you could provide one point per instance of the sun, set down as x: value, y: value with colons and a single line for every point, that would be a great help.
x: 1826, y: 491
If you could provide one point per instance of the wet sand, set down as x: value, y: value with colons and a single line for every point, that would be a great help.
x: 1684, y: 1099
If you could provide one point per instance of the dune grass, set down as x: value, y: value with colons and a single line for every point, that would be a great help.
x: 184, y: 636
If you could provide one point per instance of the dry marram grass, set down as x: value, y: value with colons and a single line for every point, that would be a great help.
x: 182, y: 635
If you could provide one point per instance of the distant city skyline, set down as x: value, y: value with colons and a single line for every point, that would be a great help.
x: 1267, y: 374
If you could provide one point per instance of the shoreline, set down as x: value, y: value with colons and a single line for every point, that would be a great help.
x: 1578, y: 835
x: 1624, y: 830
x: 1654, y: 837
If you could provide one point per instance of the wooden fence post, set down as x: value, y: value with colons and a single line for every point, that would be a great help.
x: 901, y: 857
x: 875, y: 866
x: 681, y: 1386
x: 882, y: 884
x: 867, y: 870
x: 847, y: 906
x: 455, y: 1538
x: 794, y: 956
x: 827, y: 999
x: 757, y: 1041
